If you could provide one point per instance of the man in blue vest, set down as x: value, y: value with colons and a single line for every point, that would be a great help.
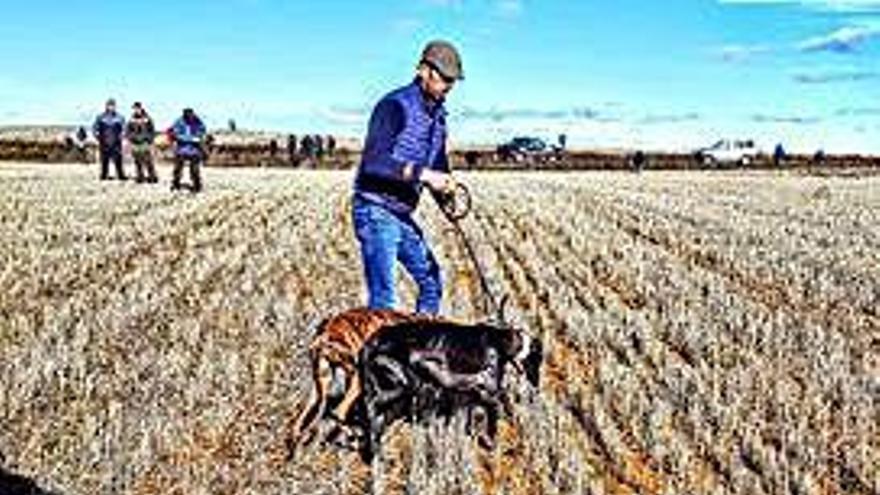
x: 108, y: 130
x: 404, y: 151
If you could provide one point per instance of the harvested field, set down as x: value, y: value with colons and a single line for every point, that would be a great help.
x: 705, y: 333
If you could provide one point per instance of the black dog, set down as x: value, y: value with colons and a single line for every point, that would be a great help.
x: 418, y: 369
x: 14, y: 484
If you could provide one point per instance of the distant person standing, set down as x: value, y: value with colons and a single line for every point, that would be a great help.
x: 331, y: 145
x: 108, y: 130
x: 306, y: 147
x: 291, y: 150
x: 319, y: 147
x: 638, y: 161
x: 141, y: 132
x: 81, y: 136
x: 188, y: 133
x: 778, y: 155
x: 404, y: 151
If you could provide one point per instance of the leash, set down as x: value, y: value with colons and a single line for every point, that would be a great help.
x: 456, y: 206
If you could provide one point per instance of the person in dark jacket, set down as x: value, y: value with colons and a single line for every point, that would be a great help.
x: 405, y: 150
x: 319, y: 147
x: 82, y: 152
x: 108, y: 129
x: 331, y: 145
x: 81, y: 135
x: 307, y: 149
x: 778, y: 155
x: 141, y: 132
x: 188, y: 133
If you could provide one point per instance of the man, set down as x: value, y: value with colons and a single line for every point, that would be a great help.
x: 306, y: 147
x: 778, y: 155
x: 188, y: 133
x: 319, y: 148
x: 638, y: 161
x: 82, y: 152
x: 108, y: 129
x: 331, y: 145
x: 405, y: 149
x: 141, y: 132
x: 291, y: 150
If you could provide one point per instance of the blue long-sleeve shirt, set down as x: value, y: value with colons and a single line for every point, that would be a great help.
x: 406, y: 129
x: 188, y: 136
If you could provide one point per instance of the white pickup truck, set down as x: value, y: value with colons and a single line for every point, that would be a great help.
x: 726, y: 151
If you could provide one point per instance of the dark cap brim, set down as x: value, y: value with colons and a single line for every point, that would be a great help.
x: 443, y: 71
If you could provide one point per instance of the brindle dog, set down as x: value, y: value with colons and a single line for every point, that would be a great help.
x: 334, y: 352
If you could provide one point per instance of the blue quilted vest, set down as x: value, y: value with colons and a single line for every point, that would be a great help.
x: 421, y: 142
x: 422, y: 138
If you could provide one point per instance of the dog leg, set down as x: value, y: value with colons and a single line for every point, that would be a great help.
x: 307, y: 422
x: 372, y: 423
x: 486, y: 437
x: 374, y: 436
x: 376, y: 399
x: 492, y: 423
x: 352, y: 392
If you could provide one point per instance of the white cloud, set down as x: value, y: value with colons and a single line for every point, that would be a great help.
x: 652, y: 119
x: 504, y: 8
x: 762, y: 118
x: 407, y: 25
x: 844, y: 40
x: 827, y: 5
x: 509, y: 7
x: 345, y: 115
x: 741, y: 53
x: 835, y: 76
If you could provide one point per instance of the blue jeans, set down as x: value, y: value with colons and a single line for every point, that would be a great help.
x: 386, y: 238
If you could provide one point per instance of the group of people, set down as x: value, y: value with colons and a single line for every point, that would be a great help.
x: 188, y: 134
x: 312, y: 148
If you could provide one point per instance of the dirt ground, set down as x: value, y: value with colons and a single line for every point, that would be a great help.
x: 704, y: 333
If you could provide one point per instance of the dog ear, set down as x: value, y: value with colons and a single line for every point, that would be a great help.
x: 510, y: 340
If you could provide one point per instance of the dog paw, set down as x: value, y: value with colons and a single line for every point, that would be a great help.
x: 290, y: 449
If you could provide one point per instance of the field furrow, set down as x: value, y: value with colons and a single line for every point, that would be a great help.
x: 703, y: 333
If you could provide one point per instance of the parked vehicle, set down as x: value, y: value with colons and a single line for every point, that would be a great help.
x: 727, y: 151
x: 523, y: 148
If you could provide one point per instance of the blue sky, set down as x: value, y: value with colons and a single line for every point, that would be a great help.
x: 671, y: 74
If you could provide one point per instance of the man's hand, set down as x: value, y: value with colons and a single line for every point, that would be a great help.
x: 441, y: 182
